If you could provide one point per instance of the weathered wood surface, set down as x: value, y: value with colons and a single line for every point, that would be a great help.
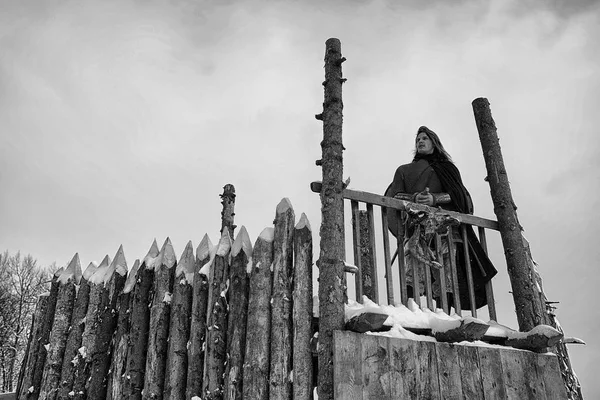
x: 376, y: 367
x: 41, y: 309
x: 72, y: 357
x: 258, y: 334
x: 57, y: 342
x: 216, y: 337
x: 492, y: 374
x: 468, y: 361
x: 449, y: 376
x: 30, y: 389
x: 160, y: 313
x: 118, y: 371
x: 529, y: 308
x: 137, y: 349
x: 228, y: 210
x: 302, y: 310
x: 241, y: 253
x: 370, y: 286
x: 96, y: 303
x: 332, y: 283
x: 204, y: 254
x: 101, y: 355
x: 179, y: 334
x: 280, y: 385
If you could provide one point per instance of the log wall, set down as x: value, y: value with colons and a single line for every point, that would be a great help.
x: 177, y: 330
x: 377, y: 367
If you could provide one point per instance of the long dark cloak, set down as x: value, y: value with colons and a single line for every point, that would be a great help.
x: 481, y: 266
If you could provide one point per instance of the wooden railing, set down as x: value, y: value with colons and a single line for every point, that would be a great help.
x: 387, y: 205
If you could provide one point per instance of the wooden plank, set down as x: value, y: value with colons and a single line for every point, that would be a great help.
x: 386, y: 254
x: 554, y: 386
x: 428, y: 288
x: 471, y: 287
x: 347, y: 363
x: 455, y: 289
x: 403, y: 364
x: 472, y: 386
x: 401, y: 262
x: 492, y: 375
x: 535, y: 376
x: 427, y: 380
x: 375, y: 363
x: 517, y: 378
x: 371, y: 224
x: 449, y: 374
x: 391, y: 202
x: 356, y: 250
x: 442, y: 272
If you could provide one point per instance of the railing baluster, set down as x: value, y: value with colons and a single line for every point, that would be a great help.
x: 387, y: 258
x: 416, y: 283
x: 456, y: 295
x: 489, y: 290
x: 371, y: 220
x: 468, y: 269
x: 442, y: 279
x: 401, y: 259
x: 428, y: 289
x: 356, y: 249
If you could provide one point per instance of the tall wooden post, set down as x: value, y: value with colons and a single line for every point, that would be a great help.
x: 528, y: 305
x: 332, y: 289
x: 227, y: 214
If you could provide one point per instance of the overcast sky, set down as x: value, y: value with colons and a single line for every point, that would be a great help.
x: 120, y: 122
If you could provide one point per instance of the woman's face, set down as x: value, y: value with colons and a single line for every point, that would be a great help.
x: 424, y: 144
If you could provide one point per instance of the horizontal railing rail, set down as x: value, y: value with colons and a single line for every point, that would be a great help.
x: 392, y: 205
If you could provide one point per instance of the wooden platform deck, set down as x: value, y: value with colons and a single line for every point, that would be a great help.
x: 376, y: 367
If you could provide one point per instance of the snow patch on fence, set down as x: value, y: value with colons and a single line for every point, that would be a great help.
x: 186, y: 264
x: 283, y: 206
x: 132, y: 277
x: 303, y: 223
x: 224, y: 244
x: 268, y: 234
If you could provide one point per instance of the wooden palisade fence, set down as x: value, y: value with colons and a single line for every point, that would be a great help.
x: 235, y: 321
x: 232, y: 322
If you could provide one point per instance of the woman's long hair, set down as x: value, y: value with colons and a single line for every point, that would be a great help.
x: 438, y: 148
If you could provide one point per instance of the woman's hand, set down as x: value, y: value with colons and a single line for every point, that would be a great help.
x: 424, y: 197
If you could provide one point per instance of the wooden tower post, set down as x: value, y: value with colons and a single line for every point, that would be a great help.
x: 227, y: 214
x: 528, y: 305
x: 332, y: 289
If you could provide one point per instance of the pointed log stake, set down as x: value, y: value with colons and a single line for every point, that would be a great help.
x: 114, y: 280
x: 204, y: 254
x: 332, y: 290
x: 241, y: 263
x: 303, y: 309
x: 93, y: 318
x: 216, y: 337
x: 280, y: 385
x: 141, y: 297
x: 31, y: 386
x: 160, y: 312
x: 530, y: 311
x: 118, y: 369
x: 179, y: 334
x: 258, y: 335
x: 72, y: 357
x: 26, y: 385
x: 228, y: 202
x: 60, y: 328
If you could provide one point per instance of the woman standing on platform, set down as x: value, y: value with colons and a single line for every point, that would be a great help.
x: 433, y: 180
